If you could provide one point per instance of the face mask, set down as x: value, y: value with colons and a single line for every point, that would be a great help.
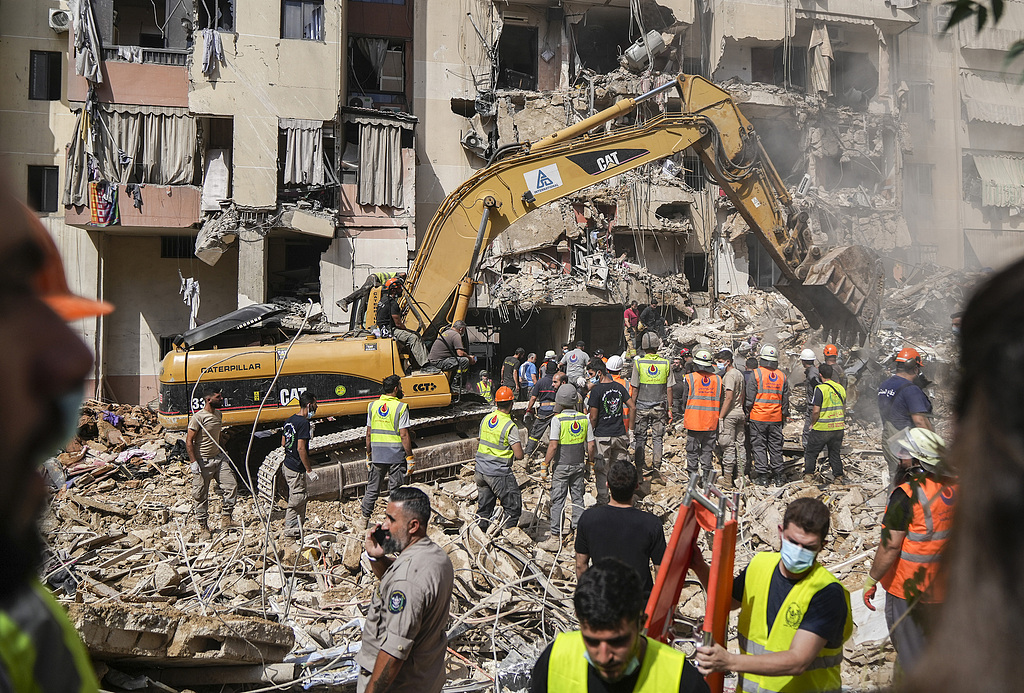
x: 594, y: 379
x: 797, y: 559
x: 720, y: 367
x: 310, y: 413
x: 634, y: 664
x: 956, y: 329
x: 70, y: 405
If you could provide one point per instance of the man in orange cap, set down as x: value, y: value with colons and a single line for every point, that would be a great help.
x: 902, y: 403
x: 45, y: 366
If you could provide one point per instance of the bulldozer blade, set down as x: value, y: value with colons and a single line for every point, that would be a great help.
x: 840, y: 293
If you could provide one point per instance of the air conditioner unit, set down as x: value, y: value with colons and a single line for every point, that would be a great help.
x: 59, y: 20
x: 510, y: 18
x: 360, y: 101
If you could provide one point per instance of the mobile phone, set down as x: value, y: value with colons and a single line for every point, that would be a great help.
x: 379, y: 536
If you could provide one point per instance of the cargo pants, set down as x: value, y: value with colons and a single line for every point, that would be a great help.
x: 396, y: 477
x: 700, y: 449
x: 504, y: 488
x: 731, y: 439
x: 566, y: 480
x: 649, y: 422
x: 203, y: 473
x: 766, y: 442
x: 609, y: 449
x: 295, y: 514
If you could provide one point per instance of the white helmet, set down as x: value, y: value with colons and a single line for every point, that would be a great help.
x: 614, y: 363
x: 769, y: 353
x: 927, y: 447
x: 702, y: 358
x: 807, y: 355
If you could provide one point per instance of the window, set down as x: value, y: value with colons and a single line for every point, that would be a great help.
x: 770, y: 66
x: 177, y: 247
x: 919, y: 99
x: 303, y: 19
x: 223, y: 11
x: 920, y: 178
x: 383, y: 2
x: 376, y: 65
x: 695, y: 268
x: 44, y: 76
x: 42, y: 188
x: 517, y: 58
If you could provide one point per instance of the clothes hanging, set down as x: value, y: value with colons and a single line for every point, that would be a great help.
x: 213, y: 50
x: 103, y: 209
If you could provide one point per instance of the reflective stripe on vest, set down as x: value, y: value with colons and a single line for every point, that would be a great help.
x: 703, y: 402
x: 755, y: 638
x: 916, y: 573
x: 494, y: 430
x: 769, y: 385
x: 572, y: 437
x: 40, y: 651
x: 652, y: 374
x: 385, y: 439
x: 384, y: 276
x: 833, y: 407
x: 661, y: 670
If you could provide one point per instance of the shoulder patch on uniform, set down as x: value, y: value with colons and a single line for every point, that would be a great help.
x: 396, y: 601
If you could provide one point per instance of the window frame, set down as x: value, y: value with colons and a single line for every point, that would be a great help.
x: 43, y: 188
x: 53, y: 74
x: 314, y: 5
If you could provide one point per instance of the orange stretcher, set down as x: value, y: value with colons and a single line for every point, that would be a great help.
x: 704, y: 507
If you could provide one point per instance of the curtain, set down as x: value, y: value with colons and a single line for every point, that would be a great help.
x: 375, y: 51
x: 304, y: 155
x: 87, y: 42
x: 380, y: 165
x: 119, y: 148
x: 821, y: 60
x: 168, y: 149
x: 76, y: 171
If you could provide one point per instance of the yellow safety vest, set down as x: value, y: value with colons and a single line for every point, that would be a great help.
x: 494, y: 447
x: 822, y: 676
x: 385, y: 440
x: 572, y: 437
x: 652, y: 373
x: 33, y: 660
x: 833, y: 407
x: 661, y: 670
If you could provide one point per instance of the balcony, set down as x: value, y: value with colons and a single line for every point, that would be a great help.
x: 146, y: 56
x: 163, y: 207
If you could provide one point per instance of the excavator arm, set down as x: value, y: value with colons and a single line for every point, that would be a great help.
x: 441, y: 279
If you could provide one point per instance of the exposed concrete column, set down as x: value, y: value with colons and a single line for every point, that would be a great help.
x: 252, y: 272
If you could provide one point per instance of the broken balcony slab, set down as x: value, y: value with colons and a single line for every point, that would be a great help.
x: 308, y: 223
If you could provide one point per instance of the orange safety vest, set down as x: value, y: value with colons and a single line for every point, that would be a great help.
x: 703, y: 401
x: 625, y: 384
x: 768, y: 397
x: 917, y: 570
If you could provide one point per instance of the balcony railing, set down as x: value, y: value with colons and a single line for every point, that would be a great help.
x: 152, y: 56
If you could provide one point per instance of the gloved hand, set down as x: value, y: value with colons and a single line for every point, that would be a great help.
x: 870, y: 587
x: 410, y: 464
x: 544, y: 471
x: 312, y: 476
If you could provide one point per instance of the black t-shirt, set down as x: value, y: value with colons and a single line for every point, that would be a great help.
x: 826, y: 614
x: 387, y: 307
x: 296, y: 428
x: 633, y: 536
x: 690, y: 682
x: 609, y: 400
x: 899, y: 512
x: 508, y: 369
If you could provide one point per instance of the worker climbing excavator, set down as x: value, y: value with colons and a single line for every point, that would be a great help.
x: 837, y: 289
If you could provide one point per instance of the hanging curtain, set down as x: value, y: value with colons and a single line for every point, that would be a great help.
x: 76, y: 170
x: 119, y: 137
x: 168, y: 149
x: 87, y: 42
x: 380, y: 165
x: 304, y: 155
x: 314, y: 30
x: 375, y: 50
x: 821, y: 60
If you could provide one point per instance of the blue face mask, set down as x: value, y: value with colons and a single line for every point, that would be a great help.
x: 720, y: 367
x: 797, y: 559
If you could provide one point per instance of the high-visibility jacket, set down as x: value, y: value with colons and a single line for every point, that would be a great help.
x: 917, y: 570
x: 40, y: 651
x: 822, y: 676
x: 494, y: 454
x: 572, y: 437
x: 661, y: 670
x: 768, y: 395
x: 384, y: 276
x: 652, y: 374
x: 385, y: 440
x: 703, y: 401
x: 625, y: 384
x: 484, y: 387
x: 832, y: 416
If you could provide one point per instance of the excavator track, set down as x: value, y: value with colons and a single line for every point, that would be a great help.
x: 321, y: 446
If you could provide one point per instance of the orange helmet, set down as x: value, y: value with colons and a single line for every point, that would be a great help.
x: 504, y: 394
x: 908, y: 355
x: 830, y: 350
x: 393, y: 284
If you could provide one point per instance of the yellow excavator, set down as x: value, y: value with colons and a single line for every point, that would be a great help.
x: 836, y: 288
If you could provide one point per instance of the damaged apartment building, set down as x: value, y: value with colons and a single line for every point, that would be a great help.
x: 196, y: 156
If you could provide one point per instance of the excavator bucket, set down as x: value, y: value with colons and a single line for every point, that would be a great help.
x: 841, y: 292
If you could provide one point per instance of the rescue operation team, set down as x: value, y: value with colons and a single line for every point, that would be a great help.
x: 577, y: 422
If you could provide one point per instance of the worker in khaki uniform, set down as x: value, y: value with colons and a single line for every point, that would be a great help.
x: 731, y: 419
x: 768, y: 404
x: 499, y: 445
x: 828, y: 425
x: 652, y: 382
x: 404, y: 644
x: 702, y: 403
x: 388, y: 445
x: 572, y: 439
x: 209, y: 462
x: 915, y: 529
x: 794, y: 615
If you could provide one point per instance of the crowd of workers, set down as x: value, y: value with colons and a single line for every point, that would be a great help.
x: 585, y: 415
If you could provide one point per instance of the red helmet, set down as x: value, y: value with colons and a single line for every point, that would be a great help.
x: 504, y: 394
x: 684, y: 352
x: 908, y: 355
x: 830, y: 350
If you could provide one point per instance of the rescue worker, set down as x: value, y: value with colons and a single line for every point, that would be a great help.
x: 768, y: 402
x: 615, y: 365
x: 388, y: 445
x: 812, y: 378
x: 549, y: 357
x: 296, y: 467
x: 499, y: 445
x: 609, y: 651
x: 575, y: 363
x: 528, y: 376
x: 915, y: 528
x: 209, y: 461
x: 630, y: 319
x: 449, y: 352
x: 902, y: 404
x: 794, y: 615
x: 651, y: 383
x: 731, y: 419
x: 485, y: 386
x: 687, y: 356
x: 651, y: 321
x: 45, y: 366
x: 510, y: 370
x: 607, y: 405
x: 391, y: 324
x: 374, y: 280
x: 828, y: 425
x: 831, y: 354
x: 702, y: 404
x: 677, y: 392
x: 543, y: 398
x: 572, y: 438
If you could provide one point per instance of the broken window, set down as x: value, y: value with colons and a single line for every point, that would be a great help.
x: 217, y: 14
x: 854, y: 80
x: 761, y: 267
x: 517, y: 57
x: 695, y: 269
x: 600, y: 37
x: 693, y: 171
x: 376, y: 67
x: 217, y: 138
x: 138, y: 23
x: 779, y: 67
x: 302, y: 19
x: 306, y: 148
x: 919, y: 178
